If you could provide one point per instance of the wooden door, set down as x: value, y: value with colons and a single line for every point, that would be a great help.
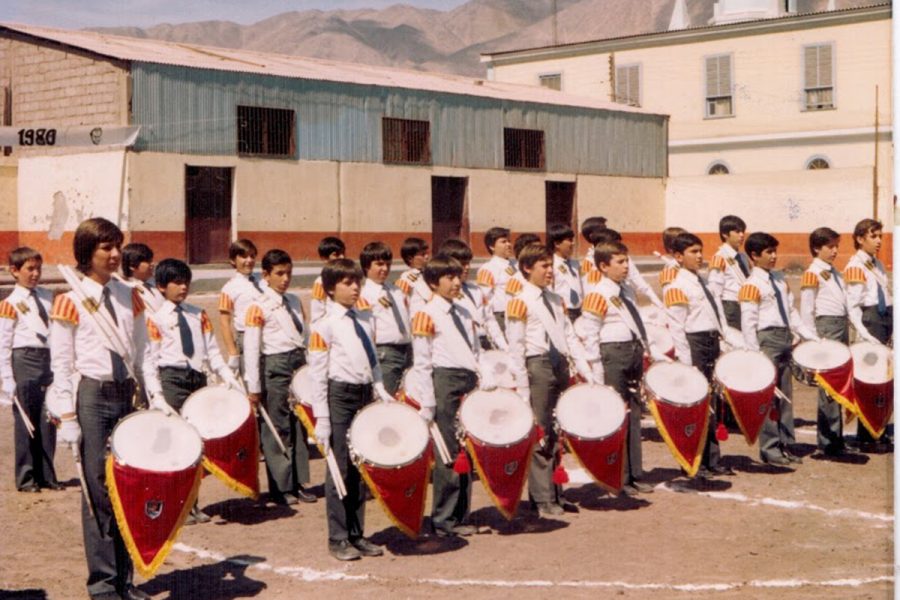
x: 449, y: 213
x: 208, y: 210
x: 560, y: 203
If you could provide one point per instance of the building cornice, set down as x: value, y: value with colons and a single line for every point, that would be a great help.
x: 781, y: 138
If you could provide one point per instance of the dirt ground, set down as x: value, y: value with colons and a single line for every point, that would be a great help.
x: 821, y: 531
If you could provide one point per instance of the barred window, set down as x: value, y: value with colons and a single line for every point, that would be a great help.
x: 523, y: 148
x: 265, y: 131
x: 406, y: 141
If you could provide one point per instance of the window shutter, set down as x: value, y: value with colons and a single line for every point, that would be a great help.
x: 718, y: 76
x: 622, y: 85
x: 811, y: 67
x: 824, y: 66
x: 634, y: 85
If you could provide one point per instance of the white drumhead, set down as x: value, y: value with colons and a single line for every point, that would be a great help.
x: 388, y: 434
x: 676, y: 383
x: 496, y: 418
x: 590, y: 411
x: 495, y: 364
x: 301, y: 386
x: 152, y: 441
x: 660, y: 339
x: 872, y: 363
x: 216, y: 411
x: 821, y: 355
x: 745, y: 370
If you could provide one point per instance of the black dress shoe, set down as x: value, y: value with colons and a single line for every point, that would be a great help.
x: 549, y: 509
x: 704, y: 473
x: 792, y: 457
x: 640, y: 486
x: 106, y: 596
x: 31, y: 488
x: 343, y: 550
x: 721, y: 470
x: 455, y: 530
x: 197, y: 516
x: 132, y: 593
x: 55, y: 486
x: 305, y: 496
x: 779, y: 461
x: 284, y: 499
x: 366, y: 548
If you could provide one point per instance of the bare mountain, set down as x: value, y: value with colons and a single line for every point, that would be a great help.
x: 449, y: 41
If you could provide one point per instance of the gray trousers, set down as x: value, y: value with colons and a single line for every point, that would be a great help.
x: 546, y: 382
x: 775, y: 436
x: 732, y: 313
x: 829, y: 427
x: 452, y: 492
x: 33, y: 456
x: 346, y: 518
x: 394, y: 360
x: 178, y: 384
x: 705, y: 351
x: 285, y: 473
x: 623, y: 367
x: 100, y: 407
x: 882, y: 328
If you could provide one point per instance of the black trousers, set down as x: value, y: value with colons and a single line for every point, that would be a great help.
x: 623, y: 367
x: 346, y: 518
x: 179, y: 383
x: 100, y: 406
x: 732, y: 310
x: 452, y: 493
x: 394, y: 360
x: 33, y: 456
x: 546, y: 381
x: 285, y: 473
x: 705, y: 351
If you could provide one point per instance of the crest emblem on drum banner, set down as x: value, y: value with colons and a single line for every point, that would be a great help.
x: 503, y: 470
x: 874, y: 405
x: 684, y: 429
x: 150, y: 508
x: 234, y: 459
x: 603, y: 459
x: 403, y: 503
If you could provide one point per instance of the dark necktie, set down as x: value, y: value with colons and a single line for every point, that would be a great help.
x: 555, y: 356
x: 364, y: 339
x: 396, y: 312
x: 882, y: 300
x: 296, y: 321
x: 779, y: 300
x: 42, y: 313
x: 254, y: 283
x: 635, y: 316
x: 573, y: 295
x: 459, y: 324
x: 148, y: 286
x: 466, y: 291
x: 837, y: 279
x: 187, y: 340
x: 742, y: 263
x: 119, y: 371
x: 709, y: 297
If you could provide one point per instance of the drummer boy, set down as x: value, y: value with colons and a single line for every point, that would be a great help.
x: 769, y: 322
x: 330, y: 248
x: 235, y: 297
x: 344, y: 376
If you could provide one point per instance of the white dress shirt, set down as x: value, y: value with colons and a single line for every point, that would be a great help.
x: 690, y: 311
x: 759, y: 307
x: 389, y: 312
x: 567, y: 281
x: 318, y: 302
x: 492, y: 277
x: 269, y: 330
x: 473, y: 299
x: 21, y: 327
x: 412, y: 284
x: 605, y: 319
x: 823, y: 293
x: 725, y: 275
x: 151, y: 296
x: 864, y: 274
x: 236, y: 297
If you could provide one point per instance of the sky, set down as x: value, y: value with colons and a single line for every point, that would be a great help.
x: 76, y: 14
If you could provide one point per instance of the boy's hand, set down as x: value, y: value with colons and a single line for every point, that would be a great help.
x: 158, y: 402
x: 69, y: 431
x: 234, y: 362
x: 381, y: 393
x: 254, y: 399
x: 323, y: 434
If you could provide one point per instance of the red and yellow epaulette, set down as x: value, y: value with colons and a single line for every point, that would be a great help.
x: 513, y: 286
x: 809, y: 280
x: 205, y: 324
x: 153, y: 331
x: 594, y: 277
x: 516, y: 309
x: 137, y: 303
x: 422, y: 325
x: 317, y: 342
x: 854, y: 275
x: 485, y: 278
x: 595, y: 303
x: 7, y: 311
x: 668, y: 275
x: 64, y: 309
x: 587, y: 266
x: 718, y: 263
x: 226, y: 304
x: 749, y: 293
x: 363, y: 304
x: 674, y: 296
x: 403, y: 286
x: 254, y: 317
x: 318, y: 292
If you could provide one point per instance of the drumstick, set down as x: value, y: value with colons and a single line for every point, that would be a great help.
x: 440, y: 444
x: 261, y: 411
x: 29, y: 426
x: 782, y: 396
x: 331, y: 463
x: 81, y: 480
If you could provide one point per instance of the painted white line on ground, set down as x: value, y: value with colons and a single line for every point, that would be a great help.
x: 312, y: 575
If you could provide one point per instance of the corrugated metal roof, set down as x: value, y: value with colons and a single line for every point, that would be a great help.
x: 296, y: 67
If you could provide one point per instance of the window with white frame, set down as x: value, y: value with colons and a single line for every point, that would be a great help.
x: 719, y: 97
x: 818, y: 77
x: 552, y: 81
x: 628, y: 85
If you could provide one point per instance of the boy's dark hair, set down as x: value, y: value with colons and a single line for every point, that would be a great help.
x: 457, y: 249
x: 730, y: 223
x: 668, y: 236
x: 559, y: 232
x: 531, y: 254
x: 492, y: 235
x: 374, y: 251
x: 822, y: 237
x: 590, y: 225
x: 274, y: 258
x: 605, y: 236
x: 412, y: 246
x: 525, y: 239
x: 134, y: 254
x: 603, y: 253
x: 90, y: 234
x: 337, y: 270
x: 172, y: 270
x: 863, y: 228
x: 20, y: 256
x: 683, y: 241
x: 330, y: 245
x: 758, y: 241
x: 440, y: 266
x: 242, y: 248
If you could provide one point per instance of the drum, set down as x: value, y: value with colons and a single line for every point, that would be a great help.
x: 227, y: 425
x: 495, y: 365
x: 747, y: 380
x: 827, y: 364
x: 679, y: 401
x: 873, y: 385
x: 591, y: 422
x: 301, y: 398
x: 389, y: 444
x: 153, y: 476
x: 661, y: 342
x: 499, y: 432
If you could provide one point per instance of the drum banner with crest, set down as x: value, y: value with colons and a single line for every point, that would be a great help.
x: 401, y: 491
x: 750, y: 409
x: 684, y: 429
x: 235, y: 459
x: 874, y: 405
x: 838, y: 384
x: 150, y: 509
x: 503, y: 470
x: 603, y: 459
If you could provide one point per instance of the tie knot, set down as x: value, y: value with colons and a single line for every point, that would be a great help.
x: 179, y: 308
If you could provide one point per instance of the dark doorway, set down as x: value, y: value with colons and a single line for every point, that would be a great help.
x: 560, y: 203
x: 208, y: 210
x: 449, y: 213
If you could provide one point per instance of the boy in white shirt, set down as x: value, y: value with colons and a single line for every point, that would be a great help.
x: 566, y: 274
x: 330, y: 248
x: 493, y: 275
x: 137, y: 267
x: 235, y: 297
x: 730, y: 268
x: 414, y: 252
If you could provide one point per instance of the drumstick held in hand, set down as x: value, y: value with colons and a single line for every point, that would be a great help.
x: 261, y: 411
x: 81, y: 480
x: 440, y: 444
x: 29, y: 426
x: 336, y: 477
